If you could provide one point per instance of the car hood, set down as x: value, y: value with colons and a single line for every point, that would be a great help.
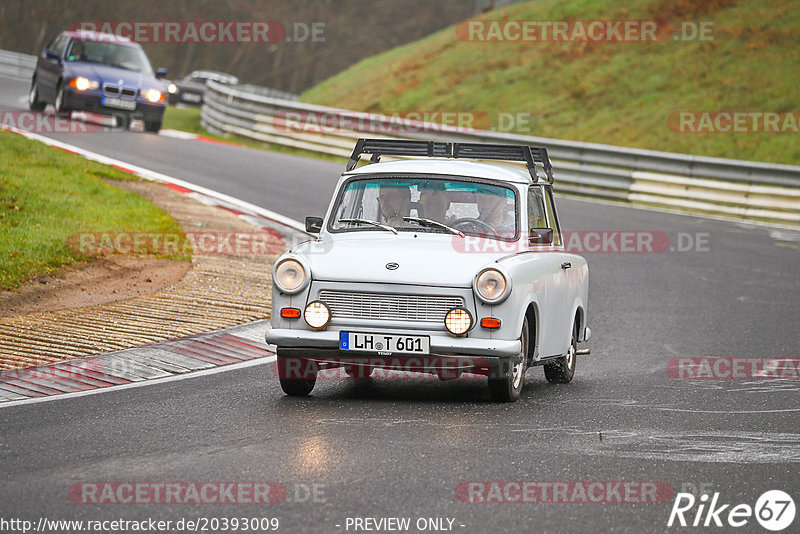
x: 113, y: 75
x: 427, y: 259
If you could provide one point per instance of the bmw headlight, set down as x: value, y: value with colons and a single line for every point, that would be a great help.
x: 82, y: 84
x: 491, y: 286
x: 290, y: 276
x: 154, y: 95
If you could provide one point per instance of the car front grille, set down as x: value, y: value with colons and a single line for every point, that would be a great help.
x: 128, y: 93
x: 352, y: 305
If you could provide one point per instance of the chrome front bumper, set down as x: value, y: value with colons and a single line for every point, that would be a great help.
x: 440, y: 343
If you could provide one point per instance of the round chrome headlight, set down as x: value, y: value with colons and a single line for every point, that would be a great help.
x: 317, y: 314
x: 490, y: 285
x: 458, y: 321
x: 290, y: 276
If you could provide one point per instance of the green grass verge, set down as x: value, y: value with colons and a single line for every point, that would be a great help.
x: 47, y: 196
x: 617, y: 93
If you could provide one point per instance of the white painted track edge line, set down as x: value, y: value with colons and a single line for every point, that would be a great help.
x: 151, y: 382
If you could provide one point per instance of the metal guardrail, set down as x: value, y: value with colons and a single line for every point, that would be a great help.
x: 16, y: 65
x: 267, y: 91
x: 734, y: 188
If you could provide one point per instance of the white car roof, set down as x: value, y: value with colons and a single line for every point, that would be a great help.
x: 450, y: 167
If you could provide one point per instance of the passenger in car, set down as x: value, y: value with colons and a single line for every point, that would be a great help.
x: 394, y: 202
x: 492, y: 209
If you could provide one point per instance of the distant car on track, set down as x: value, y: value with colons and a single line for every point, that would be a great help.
x: 191, y: 89
x: 433, y: 265
x: 99, y: 73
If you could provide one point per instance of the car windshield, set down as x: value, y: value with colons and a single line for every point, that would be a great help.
x: 441, y: 205
x: 107, y: 53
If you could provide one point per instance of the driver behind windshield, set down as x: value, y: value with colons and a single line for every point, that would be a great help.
x: 434, y: 201
x: 394, y: 203
x: 492, y: 209
x: 77, y: 52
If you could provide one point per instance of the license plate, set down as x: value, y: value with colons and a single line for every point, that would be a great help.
x: 191, y: 97
x: 111, y: 102
x: 384, y: 343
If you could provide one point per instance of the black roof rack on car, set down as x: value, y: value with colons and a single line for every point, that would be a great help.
x: 437, y: 149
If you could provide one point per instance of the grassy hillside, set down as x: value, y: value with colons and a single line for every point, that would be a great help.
x: 619, y: 93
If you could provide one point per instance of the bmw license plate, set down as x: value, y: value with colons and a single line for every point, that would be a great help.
x: 190, y: 97
x: 371, y: 342
x: 111, y: 102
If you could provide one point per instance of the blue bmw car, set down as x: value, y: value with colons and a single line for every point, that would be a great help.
x: 99, y: 73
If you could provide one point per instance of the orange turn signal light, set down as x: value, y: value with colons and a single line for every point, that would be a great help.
x: 490, y: 322
x: 290, y: 313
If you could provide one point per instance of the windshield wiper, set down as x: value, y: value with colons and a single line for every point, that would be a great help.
x: 373, y: 223
x: 437, y: 224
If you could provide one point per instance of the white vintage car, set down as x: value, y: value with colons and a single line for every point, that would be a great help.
x: 433, y: 264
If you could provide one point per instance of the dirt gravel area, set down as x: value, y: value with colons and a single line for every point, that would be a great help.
x: 101, y: 281
x: 79, y: 315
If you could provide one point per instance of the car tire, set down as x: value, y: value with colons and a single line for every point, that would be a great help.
x: 152, y: 126
x: 296, y: 386
x: 33, y: 98
x: 122, y: 121
x: 562, y: 370
x: 58, y: 103
x: 507, y: 377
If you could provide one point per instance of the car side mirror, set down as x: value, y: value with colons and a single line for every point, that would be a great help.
x: 313, y: 225
x: 541, y: 236
x: 161, y: 73
x: 49, y: 54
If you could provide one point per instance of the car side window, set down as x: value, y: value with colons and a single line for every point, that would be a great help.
x: 58, y: 44
x: 537, y: 217
x: 52, y: 44
x: 552, y: 217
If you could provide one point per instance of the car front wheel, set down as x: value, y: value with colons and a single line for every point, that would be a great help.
x: 563, y: 369
x: 152, y: 126
x: 297, y: 375
x: 59, y: 104
x: 507, y: 378
x: 33, y: 98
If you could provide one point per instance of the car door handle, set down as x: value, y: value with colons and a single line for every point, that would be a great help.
x: 566, y: 265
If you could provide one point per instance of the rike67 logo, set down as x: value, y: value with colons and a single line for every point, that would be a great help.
x: 774, y: 510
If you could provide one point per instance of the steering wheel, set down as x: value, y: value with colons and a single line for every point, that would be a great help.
x: 469, y: 224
